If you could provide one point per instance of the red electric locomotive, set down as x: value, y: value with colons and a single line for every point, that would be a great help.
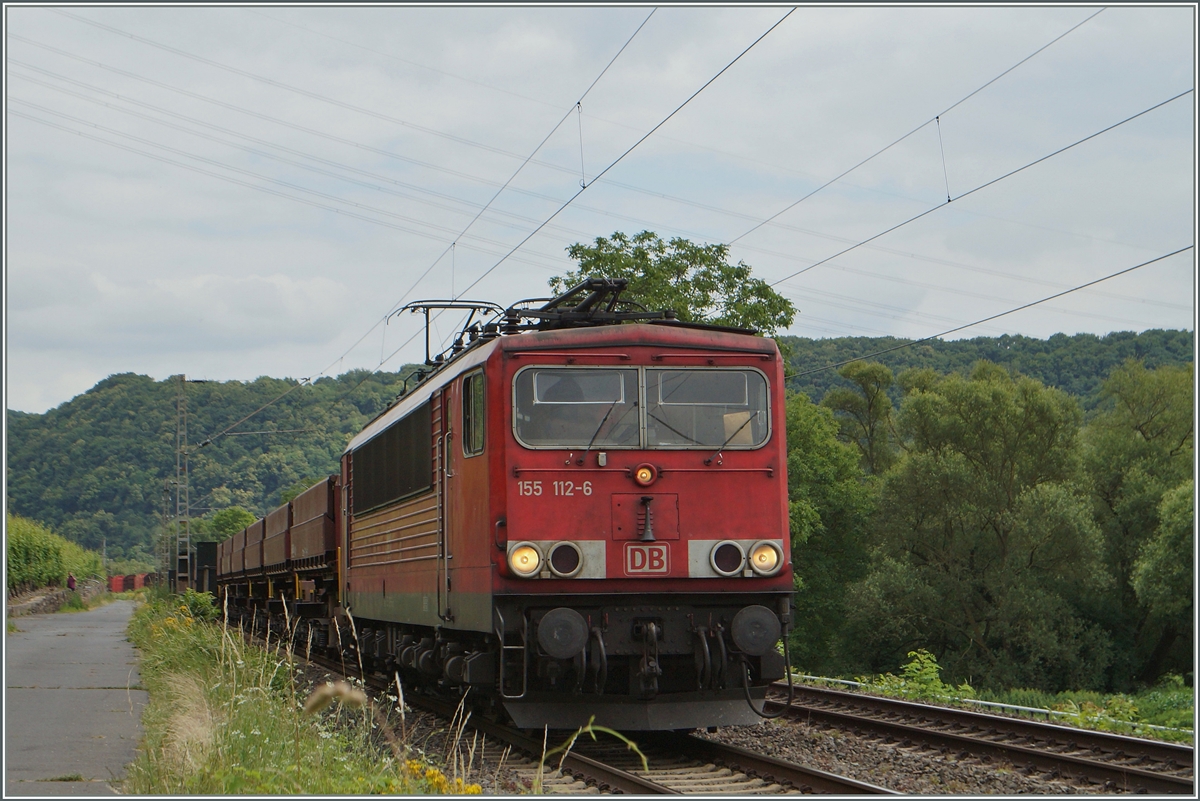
x: 581, y: 512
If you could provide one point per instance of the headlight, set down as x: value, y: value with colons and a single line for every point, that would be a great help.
x: 566, y: 560
x: 525, y: 560
x: 727, y: 558
x: 645, y: 474
x: 765, y: 558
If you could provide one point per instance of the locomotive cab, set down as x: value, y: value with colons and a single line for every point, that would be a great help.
x: 643, y: 576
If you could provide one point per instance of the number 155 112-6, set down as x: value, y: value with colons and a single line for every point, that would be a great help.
x: 565, y: 488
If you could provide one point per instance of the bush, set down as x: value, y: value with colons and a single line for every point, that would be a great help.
x: 39, y: 558
x: 919, y: 679
x: 200, y: 605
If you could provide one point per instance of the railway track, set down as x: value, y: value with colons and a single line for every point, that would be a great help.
x: 678, y: 764
x: 1086, y: 758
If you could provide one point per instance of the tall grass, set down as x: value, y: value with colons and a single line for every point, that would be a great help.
x: 1165, y: 711
x: 225, y: 717
x: 38, y: 558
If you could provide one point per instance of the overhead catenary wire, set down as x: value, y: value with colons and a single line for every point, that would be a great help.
x: 304, y: 92
x: 516, y: 217
x: 259, y: 115
x: 472, y: 205
x: 888, y: 147
x: 375, y: 210
x: 288, y: 87
x: 966, y: 293
x: 250, y: 173
x: 523, y: 164
x: 256, y: 187
x: 602, y: 172
x: 631, y: 148
x: 404, y: 60
x: 994, y: 316
x: 612, y: 164
x: 982, y: 186
x: 386, y: 179
x: 400, y: 157
x: 1085, y: 20
x: 504, y: 186
x: 787, y: 256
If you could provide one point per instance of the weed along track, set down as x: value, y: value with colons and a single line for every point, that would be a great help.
x: 1086, y: 759
x: 831, y: 742
x: 674, y: 763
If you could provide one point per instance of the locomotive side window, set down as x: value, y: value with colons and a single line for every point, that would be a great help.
x: 555, y: 407
x: 706, y: 408
x: 472, y: 415
x: 395, y: 464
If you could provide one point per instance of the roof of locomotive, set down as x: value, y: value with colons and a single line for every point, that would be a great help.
x: 665, y: 334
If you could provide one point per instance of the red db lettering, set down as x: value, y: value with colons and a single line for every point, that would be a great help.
x: 646, y: 559
x: 658, y: 561
x: 637, y: 560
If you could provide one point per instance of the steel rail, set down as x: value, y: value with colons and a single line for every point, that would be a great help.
x: 607, y: 777
x: 972, y: 731
x: 805, y: 779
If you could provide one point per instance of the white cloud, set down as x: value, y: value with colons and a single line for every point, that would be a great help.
x: 118, y: 262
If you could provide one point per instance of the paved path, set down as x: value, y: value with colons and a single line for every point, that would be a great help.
x: 69, y: 704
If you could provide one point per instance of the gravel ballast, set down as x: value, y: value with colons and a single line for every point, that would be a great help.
x: 905, y: 769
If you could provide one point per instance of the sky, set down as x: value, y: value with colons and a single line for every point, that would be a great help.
x: 231, y: 192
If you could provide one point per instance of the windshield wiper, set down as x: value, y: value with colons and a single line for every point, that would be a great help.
x: 730, y: 439
x: 669, y: 427
x: 592, y: 441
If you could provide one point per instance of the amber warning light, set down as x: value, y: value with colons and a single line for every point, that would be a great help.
x: 645, y: 474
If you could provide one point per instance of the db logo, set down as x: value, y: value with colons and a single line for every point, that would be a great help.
x: 646, y: 558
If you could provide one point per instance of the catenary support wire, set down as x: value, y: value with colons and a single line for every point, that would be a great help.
x: 1008, y: 174
x: 995, y: 316
x: 942, y: 148
x: 886, y: 148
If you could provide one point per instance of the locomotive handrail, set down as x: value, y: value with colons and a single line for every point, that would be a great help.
x: 727, y: 354
x: 770, y: 471
x: 519, y: 470
x: 513, y: 354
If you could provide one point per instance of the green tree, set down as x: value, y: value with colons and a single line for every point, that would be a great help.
x: 1163, y: 574
x: 984, y: 538
x: 1139, y: 448
x: 864, y: 414
x: 1076, y: 364
x: 829, y: 507
x: 696, y: 281
x: 298, y: 487
x: 229, y: 521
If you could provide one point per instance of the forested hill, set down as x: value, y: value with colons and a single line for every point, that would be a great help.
x: 94, y: 468
x: 1075, y: 364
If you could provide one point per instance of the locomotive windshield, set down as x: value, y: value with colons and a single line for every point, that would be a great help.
x: 600, y: 407
x: 574, y: 408
x: 693, y: 408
